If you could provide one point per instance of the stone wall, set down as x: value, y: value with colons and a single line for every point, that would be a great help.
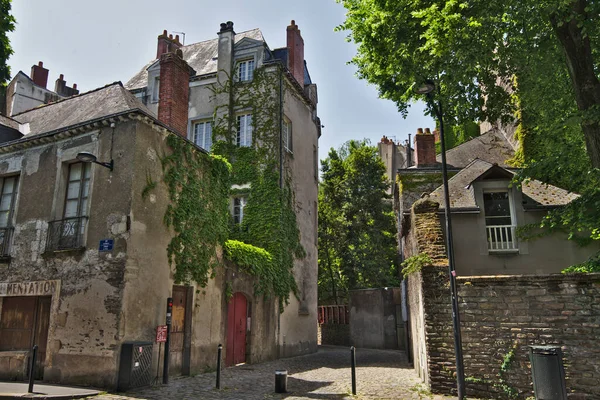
x: 334, y: 334
x: 500, y: 316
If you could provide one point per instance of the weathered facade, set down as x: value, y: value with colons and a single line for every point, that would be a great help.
x: 221, y: 78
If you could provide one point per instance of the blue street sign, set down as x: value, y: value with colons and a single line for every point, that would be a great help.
x: 106, y: 245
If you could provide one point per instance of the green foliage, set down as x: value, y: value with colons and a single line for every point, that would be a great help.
x: 269, y: 222
x: 357, y: 245
x: 7, y: 24
x: 415, y: 263
x: 466, y: 47
x: 198, y: 212
x: 591, y: 265
x: 459, y: 134
x: 502, y: 383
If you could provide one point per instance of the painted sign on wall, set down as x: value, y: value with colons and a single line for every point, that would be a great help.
x: 37, y: 288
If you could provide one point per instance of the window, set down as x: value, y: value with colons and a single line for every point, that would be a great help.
x: 498, y: 221
x: 316, y: 163
x: 203, y: 134
x: 78, y: 189
x: 8, y: 193
x: 244, y: 130
x: 239, y: 203
x: 68, y: 232
x: 245, y: 70
x: 156, y: 89
x: 7, y: 200
x: 287, y: 135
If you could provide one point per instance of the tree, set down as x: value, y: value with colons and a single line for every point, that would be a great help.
x: 7, y: 24
x: 530, y: 62
x: 357, y: 247
x: 467, y: 45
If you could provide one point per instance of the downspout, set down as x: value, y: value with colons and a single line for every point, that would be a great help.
x: 281, y: 127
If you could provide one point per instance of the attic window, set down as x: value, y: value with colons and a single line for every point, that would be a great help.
x: 499, y: 221
x: 245, y: 70
x: 155, y: 89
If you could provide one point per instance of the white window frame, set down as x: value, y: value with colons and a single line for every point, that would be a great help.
x: 239, y: 203
x: 513, y: 221
x: 245, y: 70
x: 244, y: 130
x: 205, y: 140
x: 13, y: 196
x: 287, y: 137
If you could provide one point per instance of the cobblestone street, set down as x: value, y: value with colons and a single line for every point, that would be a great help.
x: 381, y: 374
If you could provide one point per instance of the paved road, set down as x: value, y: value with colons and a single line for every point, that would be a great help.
x: 325, y: 375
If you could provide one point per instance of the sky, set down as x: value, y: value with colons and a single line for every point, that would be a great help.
x: 94, y: 43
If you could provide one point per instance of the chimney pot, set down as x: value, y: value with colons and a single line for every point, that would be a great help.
x: 61, y: 77
x: 427, y: 131
x: 74, y: 86
x: 295, y: 47
x: 165, y: 32
x: 39, y: 74
x: 419, y: 131
x: 177, y: 38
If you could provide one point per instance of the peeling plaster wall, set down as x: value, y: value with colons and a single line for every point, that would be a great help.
x: 298, y: 333
x: 85, y: 318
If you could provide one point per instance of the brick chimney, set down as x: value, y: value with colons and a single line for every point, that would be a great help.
x: 174, y: 91
x: 61, y: 88
x: 39, y: 75
x: 295, y: 47
x: 166, y: 43
x: 424, y: 148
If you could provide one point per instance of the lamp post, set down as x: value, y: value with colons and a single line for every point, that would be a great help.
x: 427, y: 88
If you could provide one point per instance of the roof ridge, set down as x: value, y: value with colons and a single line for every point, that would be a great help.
x: 476, y: 137
x: 70, y: 98
x: 217, y: 38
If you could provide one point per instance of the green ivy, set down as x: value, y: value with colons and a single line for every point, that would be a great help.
x: 415, y: 263
x: 269, y: 222
x: 198, y: 211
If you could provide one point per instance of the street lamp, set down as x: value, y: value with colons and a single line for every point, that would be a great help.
x: 427, y: 88
x: 87, y: 157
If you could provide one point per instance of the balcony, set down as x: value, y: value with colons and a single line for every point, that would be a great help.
x: 502, y: 238
x: 66, y: 234
x: 5, y: 242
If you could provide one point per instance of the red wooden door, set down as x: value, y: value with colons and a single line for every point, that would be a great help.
x: 237, y: 312
x: 178, y: 323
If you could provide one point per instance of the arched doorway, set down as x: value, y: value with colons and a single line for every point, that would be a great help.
x: 237, y: 313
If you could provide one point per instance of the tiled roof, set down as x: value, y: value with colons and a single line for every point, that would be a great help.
x: 201, y: 56
x: 108, y: 100
x: 492, y: 146
x: 535, y: 193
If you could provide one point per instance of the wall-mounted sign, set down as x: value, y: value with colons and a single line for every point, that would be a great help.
x: 38, y: 288
x: 161, y: 334
x: 106, y: 245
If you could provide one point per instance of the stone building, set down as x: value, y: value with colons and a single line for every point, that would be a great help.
x: 84, y: 264
x: 26, y: 92
x: 487, y: 208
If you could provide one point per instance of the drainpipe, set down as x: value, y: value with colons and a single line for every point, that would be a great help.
x: 408, y: 155
x: 281, y: 127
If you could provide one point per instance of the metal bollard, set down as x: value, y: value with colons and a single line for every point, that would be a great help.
x: 353, y: 366
x: 281, y: 381
x: 32, y: 369
x: 219, y: 353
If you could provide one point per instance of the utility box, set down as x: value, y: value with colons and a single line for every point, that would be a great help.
x: 135, y: 367
x: 548, y: 373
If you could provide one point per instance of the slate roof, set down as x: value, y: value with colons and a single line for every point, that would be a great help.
x: 535, y: 193
x: 492, y: 146
x: 102, y: 102
x: 201, y: 56
x: 9, y: 122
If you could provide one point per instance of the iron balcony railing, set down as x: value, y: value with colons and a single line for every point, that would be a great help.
x: 501, y: 238
x: 5, y: 241
x: 65, y: 234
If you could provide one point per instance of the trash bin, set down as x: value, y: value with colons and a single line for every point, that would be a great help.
x: 280, y: 381
x: 547, y: 372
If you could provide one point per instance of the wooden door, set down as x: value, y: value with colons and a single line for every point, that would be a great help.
x: 42, y: 324
x: 24, y: 323
x: 178, y: 328
x: 237, y: 312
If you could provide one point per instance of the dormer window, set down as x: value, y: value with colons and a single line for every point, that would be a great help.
x: 499, y: 221
x: 245, y: 70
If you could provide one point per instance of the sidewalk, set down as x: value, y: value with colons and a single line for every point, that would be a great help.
x: 18, y: 390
